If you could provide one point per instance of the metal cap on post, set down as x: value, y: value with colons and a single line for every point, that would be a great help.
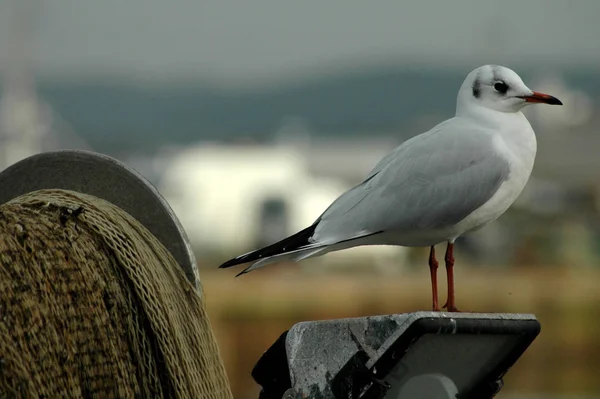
x: 433, y: 355
x: 106, y: 178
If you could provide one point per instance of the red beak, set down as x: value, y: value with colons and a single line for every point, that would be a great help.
x: 537, y: 97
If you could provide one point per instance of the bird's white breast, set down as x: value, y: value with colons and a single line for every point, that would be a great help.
x: 518, y: 146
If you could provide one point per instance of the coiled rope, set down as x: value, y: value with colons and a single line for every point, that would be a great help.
x: 92, y: 305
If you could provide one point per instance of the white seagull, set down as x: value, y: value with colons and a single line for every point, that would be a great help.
x: 455, y: 178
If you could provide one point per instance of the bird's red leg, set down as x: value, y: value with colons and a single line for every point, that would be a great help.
x: 433, y: 267
x: 449, y: 258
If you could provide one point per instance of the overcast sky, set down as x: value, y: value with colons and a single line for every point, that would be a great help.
x: 253, y: 40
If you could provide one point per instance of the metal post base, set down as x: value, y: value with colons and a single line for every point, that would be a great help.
x: 434, y: 355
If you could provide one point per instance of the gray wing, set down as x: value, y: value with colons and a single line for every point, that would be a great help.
x: 431, y: 181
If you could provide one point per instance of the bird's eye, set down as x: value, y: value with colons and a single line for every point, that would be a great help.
x: 501, y: 87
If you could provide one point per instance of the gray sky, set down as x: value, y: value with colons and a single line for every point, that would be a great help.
x: 243, y: 41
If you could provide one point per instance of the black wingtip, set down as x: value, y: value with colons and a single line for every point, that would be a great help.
x: 288, y: 244
x: 231, y: 263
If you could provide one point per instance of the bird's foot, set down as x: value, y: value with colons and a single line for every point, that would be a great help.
x: 451, y: 308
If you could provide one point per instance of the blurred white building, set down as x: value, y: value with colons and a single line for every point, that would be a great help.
x: 237, y: 198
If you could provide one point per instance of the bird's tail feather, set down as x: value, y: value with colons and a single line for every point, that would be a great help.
x: 292, y: 243
x: 292, y: 256
x: 294, y: 248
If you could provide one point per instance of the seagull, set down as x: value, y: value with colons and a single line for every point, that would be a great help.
x: 453, y: 179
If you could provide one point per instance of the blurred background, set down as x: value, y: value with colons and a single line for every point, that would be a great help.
x: 252, y: 116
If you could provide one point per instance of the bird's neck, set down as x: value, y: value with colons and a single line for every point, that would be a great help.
x: 496, y: 120
x: 512, y: 128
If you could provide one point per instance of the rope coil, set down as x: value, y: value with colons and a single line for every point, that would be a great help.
x: 92, y: 305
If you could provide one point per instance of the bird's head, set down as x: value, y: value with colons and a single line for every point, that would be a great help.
x: 498, y: 88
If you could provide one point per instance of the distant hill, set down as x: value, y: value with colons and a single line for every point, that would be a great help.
x: 113, y: 116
